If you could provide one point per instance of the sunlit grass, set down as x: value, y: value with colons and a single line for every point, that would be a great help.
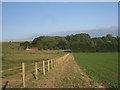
x: 14, y: 54
x: 102, y: 67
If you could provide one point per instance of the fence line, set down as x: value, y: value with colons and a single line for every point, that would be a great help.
x: 11, y: 69
x: 36, y: 71
x: 44, y: 66
x: 48, y: 66
x: 23, y: 74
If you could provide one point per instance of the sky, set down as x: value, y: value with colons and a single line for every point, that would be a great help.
x: 27, y: 20
x: 0, y: 22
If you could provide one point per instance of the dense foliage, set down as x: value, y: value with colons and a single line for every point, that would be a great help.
x: 26, y: 44
x: 77, y: 43
x: 83, y: 42
x: 47, y: 42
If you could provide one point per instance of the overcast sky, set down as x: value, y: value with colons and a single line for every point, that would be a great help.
x: 27, y: 20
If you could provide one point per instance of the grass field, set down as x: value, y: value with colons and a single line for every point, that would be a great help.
x: 16, y: 55
x: 101, y: 67
x: 20, y: 54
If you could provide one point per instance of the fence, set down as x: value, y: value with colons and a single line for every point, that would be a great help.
x: 18, y: 76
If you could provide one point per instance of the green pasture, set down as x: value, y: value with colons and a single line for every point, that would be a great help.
x: 13, y: 55
x: 101, y: 67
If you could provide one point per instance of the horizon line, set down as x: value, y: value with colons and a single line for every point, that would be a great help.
x: 56, y: 36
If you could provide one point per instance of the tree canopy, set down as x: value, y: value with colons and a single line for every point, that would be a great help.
x: 77, y: 43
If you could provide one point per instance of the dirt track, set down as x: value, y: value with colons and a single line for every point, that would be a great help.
x: 67, y: 74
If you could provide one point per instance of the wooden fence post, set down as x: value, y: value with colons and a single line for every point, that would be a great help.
x: 36, y: 71
x: 23, y: 74
x: 48, y: 66
x: 43, y: 68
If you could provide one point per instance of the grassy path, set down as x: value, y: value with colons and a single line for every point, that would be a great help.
x: 67, y: 74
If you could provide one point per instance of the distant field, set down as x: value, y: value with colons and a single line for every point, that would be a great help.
x: 15, y: 55
x: 12, y: 57
x: 102, y: 67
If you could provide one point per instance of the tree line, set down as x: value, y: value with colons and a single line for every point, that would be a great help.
x: 77, y: 43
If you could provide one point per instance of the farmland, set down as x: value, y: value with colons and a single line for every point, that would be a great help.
x: 64, y: 75
x: 16, y: 55
x: 101, y: 67
x: 96, y: 69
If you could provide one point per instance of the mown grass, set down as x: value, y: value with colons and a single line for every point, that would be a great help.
x: 102, y: 67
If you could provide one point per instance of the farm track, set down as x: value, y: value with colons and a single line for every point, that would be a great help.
x: 67, y: 74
